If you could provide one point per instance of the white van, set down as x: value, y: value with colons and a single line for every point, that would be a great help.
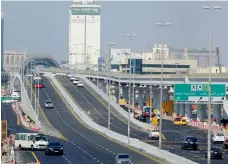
x: 31, y: 141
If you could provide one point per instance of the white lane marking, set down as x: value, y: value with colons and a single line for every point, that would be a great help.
x: 70, y: 127
x: 102, y: 117
x: 66, y: 159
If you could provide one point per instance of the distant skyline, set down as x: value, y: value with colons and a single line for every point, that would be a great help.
x: 42, y: 27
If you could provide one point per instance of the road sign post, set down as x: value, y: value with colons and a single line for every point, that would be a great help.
x: 199, y: 92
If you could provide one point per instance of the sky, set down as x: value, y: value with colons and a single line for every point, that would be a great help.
x: 42, y: 27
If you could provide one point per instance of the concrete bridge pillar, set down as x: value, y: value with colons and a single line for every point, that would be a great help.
x: 188, y: 111
x: 125, y: 92
x: 225, y: 110
x: 165, y: 95
x: 176, y: 109
x: 182, y: 109
x: 217, y: 112
x: 140, y: 98
x: 156, y: 98
x: 200, y: 112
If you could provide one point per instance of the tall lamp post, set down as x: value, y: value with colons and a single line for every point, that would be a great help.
x: 130, y: 36
x: 163, y: 25
x: 176, y: 67
x: 211, y: 8
x: 110, y: 44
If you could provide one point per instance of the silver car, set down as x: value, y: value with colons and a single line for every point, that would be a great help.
x: 123, y: 158
x: 48, y: 104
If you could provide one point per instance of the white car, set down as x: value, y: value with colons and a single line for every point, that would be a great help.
x: 75, y: 81
x: 219, y: 137
x: 154, y: 134
x: 80, y: 84
x: 72, y: 78
x: 69, y: 75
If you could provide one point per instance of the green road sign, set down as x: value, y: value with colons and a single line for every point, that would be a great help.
x: 199, y: 92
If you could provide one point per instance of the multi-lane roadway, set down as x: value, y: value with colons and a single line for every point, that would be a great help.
x: 172, y: 134
x: 82, y: 144
x: 14, y: 126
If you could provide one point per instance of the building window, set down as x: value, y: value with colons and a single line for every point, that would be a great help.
x: 166, y: 66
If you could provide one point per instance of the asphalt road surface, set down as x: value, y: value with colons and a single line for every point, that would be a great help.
x: 173, y: 134
x: 83, y: 145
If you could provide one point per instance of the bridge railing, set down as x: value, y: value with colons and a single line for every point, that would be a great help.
x: 126, y: 75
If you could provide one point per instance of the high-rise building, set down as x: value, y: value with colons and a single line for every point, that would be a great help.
x: 2, y: 41
x: 84, y: 34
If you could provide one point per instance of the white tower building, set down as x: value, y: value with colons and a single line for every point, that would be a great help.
x: 84, y: 34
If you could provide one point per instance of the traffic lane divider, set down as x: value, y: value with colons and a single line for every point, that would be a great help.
x: 35, y: 157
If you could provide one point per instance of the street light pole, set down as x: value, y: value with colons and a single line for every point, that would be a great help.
x: 211, y: 8
x: 151, y: 98
x: 110, y: 44
x: 130, y: 36
x: 163, y: 25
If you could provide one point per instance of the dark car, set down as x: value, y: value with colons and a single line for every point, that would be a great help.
x: 190, y: 142
x: 225, y: 145
x: 216, y: 153
x: 142, y: 118
x: 54, y: 148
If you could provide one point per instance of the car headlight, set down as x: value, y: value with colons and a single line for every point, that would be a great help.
x: 61, y: 148
x: 119, y: 162
x: 196, y: 142
x: 50, y: 148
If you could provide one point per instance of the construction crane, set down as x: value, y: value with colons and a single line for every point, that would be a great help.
x: 218, y: 57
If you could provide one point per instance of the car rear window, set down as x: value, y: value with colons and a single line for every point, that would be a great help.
x: 54, y: 144
x: 191, y: 139
x: 123, y: 156
x: 220, y: 134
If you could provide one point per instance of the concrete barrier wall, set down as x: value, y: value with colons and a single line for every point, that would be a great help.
x: 25, y: 101
x: 171, y: 158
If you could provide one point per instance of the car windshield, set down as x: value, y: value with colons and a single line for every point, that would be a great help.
x: 215, y: 149
x: 54, y: 144
x: 191, y: 139
x: 183, y: 120
x: 48, y: 102
x: 41, y: 138
x: 123, y: 156
x: 177, y: 119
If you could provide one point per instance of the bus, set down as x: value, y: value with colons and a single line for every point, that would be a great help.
x: 31, y: 141
x: 37, y: 82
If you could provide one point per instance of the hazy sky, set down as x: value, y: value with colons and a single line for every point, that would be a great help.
x: 42, y: 27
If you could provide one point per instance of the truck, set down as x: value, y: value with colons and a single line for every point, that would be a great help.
x: 154, y: 134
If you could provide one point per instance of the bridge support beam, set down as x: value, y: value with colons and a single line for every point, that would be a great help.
x: 200, y: 112
x: 125, y: 92
x: 188, y: 111
x: 217, y: 112
x: 225, y: 110
x: 156, y: 97
x: 176, y: 109
x: 182, y: 109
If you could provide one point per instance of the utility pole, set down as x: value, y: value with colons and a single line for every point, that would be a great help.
x: 110, y: 44
x: 163, y: 25
x: 211, y: 8
x: 130, y: 36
